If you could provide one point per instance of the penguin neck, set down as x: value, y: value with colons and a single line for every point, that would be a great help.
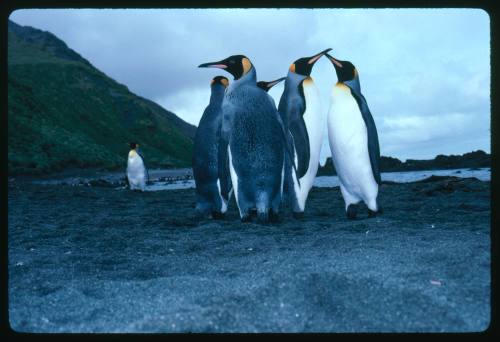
x: 294, y: 79
x: 249, y: 77
x: 354, y: 84
x: 217, y: 94
x: 292, y: 84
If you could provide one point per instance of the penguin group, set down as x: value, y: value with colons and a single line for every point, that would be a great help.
x: 267, y: 156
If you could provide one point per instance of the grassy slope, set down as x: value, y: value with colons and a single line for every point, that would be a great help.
x: 63, y: 112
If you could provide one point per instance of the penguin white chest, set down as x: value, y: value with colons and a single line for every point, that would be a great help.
x: 136, y: 172
x: 348, y: 138
x: 314, y: 119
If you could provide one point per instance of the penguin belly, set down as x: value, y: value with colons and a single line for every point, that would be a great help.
x: 315, y: 121
x: 136, y: 172
x: 348, y: 138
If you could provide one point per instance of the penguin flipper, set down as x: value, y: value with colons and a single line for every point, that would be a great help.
x: 223, y: 166
x: 301, y: 142
x: 373, y: 143
x: 288, y: 141
x: 144, y: 163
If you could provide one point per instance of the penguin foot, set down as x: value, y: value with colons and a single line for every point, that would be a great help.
x: 216, y: 215
x: 246, y: 218
x: 274, y: 216
x: 298, y: 215
x: 352, y: 210
x: 372, y: 213
x: 263, y: 217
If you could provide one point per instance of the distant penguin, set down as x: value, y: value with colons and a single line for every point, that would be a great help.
x: 137, y: 173
x: 300, y: 110
x: 353, y: 141
x: 256, y: 146
x: 211, y: 177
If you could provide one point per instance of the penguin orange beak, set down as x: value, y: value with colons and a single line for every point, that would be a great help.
x: 334, y: 61
x: 218, y: 65
x: 315, y: 58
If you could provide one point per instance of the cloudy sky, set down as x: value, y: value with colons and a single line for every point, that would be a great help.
x: 424, y: 72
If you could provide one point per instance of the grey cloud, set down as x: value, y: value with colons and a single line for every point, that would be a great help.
x: 413, y: 63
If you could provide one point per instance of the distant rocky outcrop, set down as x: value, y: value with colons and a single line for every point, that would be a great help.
x: 476, y: 159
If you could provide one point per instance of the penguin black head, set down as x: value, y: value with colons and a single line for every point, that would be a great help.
x: 133, y: 145
x: 220, y: 80
x: 345, y: 70
x: 237, y: 65
x: 303, y: 66
x: 268, y: 85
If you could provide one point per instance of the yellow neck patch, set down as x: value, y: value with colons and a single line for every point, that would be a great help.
x: 132, y: 153
x: 308, y: 80
x: 247, y: 65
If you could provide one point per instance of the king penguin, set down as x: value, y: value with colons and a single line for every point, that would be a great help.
x: 137, y: 172
x: 300, y: 110
x: 211, y: 178
x: 353, y: 139
x: 255, y: 143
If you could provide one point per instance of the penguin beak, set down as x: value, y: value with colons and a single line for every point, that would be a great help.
x: 335, y: 62
x: 273, y: 83
x: 219, y: 65
x: 315, y: 58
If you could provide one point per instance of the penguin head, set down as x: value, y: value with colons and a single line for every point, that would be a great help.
x: 133, y: 145
x: 237, y: 65
x: 345, y: 70
x: 303, y: 66
x: 220, y: 80
x: 268, y: 85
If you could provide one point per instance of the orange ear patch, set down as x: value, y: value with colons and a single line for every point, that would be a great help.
x: 292, y: 67
x: 224, y: 82
x: 247, y: 65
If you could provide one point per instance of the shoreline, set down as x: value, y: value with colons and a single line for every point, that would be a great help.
x: 172, y: 179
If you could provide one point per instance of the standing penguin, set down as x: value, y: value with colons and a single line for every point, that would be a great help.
x: 353, y: 141
x: 255, y: 144
x: 137, y: 172
x: 300, y: 110
x: 212, y: 178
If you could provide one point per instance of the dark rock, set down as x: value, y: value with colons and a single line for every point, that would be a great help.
x: 472, y: 160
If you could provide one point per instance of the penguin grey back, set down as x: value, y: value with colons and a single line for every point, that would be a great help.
x: 211, y: 181
x: 291, y: 108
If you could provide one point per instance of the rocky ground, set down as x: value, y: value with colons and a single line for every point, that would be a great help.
x: 101, y: 259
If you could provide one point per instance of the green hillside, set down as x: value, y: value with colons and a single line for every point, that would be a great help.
x: 63, y: 112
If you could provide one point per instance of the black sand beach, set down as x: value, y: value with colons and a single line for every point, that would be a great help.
x: 100, y: 259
